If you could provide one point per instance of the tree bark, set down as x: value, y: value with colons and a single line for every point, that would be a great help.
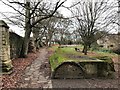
x: 61, y: 40
x: 50, y: 39
x: 85, y: 50
x: 28, y: 30
x: 26, y: 40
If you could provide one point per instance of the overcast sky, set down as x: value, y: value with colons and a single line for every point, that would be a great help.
x: 4, y: 8
x: 65, y: 12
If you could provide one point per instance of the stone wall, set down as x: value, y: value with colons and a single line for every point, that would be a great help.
x: 15, y: 45
x: 68, y: 70
x: 5, y: 61
x: 80, y: 70
x: 10, y: 47
x: 110, y: 41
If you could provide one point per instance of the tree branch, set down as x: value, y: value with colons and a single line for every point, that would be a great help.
x: 13, y: 8
x: 56, y: 7
x: 34, y: 8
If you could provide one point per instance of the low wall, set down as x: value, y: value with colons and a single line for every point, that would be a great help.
x: 80, y: 70
x: 15, y: 44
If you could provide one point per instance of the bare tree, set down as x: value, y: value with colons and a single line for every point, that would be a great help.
x: 64, y: 27
x: 47, y: 28
x: 92, y: 17
x: 37, y: 9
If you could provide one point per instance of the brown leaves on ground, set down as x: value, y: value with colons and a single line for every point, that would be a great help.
x: 19, y: 65
x: 12, y: 80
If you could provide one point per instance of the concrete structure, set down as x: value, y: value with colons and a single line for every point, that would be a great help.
x: 5, y: 62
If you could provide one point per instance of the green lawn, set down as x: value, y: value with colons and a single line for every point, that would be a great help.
x: 68, y: 54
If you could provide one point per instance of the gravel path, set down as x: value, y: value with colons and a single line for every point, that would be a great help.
x: 37, y: 75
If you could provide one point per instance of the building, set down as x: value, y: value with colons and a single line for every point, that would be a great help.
x: 110, y: 41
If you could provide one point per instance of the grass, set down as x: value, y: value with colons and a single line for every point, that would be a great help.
x: 68, y: 54
x: 104, y: 51
x: 60, y: 55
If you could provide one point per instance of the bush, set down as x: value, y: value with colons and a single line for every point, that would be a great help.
x: 101, y: 49
x: 95, y: 49
x: 105, y: 50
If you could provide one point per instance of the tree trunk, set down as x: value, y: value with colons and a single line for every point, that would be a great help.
x: 50, y: 43
x: 35, y: 34
x: 47, y: 40
x: 26, y: 40
x: 35, y: 41
x: 50, y: 39
x: 61, y: 40
x: 28, y: 30
x: 85, y: 50
x: 89, y: 46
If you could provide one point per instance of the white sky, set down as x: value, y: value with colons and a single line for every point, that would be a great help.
x: 4, y: 8
x: 65, y: 12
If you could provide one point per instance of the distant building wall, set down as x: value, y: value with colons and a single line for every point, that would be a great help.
x: 110, y: 41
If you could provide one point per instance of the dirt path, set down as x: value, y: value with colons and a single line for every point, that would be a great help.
x: 37, y: 75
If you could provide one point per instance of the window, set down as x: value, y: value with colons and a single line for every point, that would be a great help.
x: 111, y: 45
x: 100, y: 45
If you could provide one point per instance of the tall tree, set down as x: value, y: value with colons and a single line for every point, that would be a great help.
x: 47, y: 29
x: 64, y: 27
x: 92, y: 17
x: 38, y: 9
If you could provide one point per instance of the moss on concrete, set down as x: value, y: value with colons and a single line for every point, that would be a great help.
x: 92, y: 66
